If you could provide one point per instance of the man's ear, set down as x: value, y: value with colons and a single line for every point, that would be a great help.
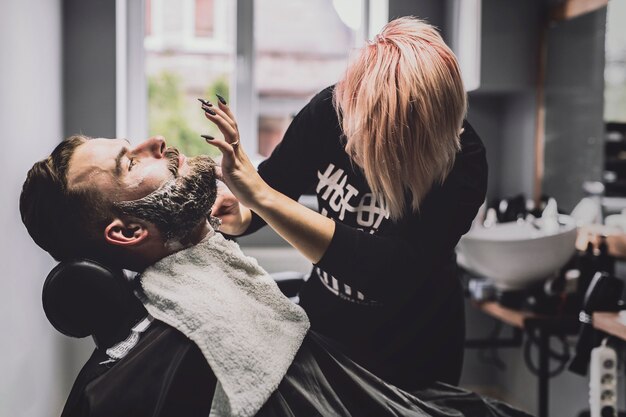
x: 122, y: 233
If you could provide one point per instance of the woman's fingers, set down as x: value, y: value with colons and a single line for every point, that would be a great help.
x: 226, y: 148
x: 220, y: 206
x: 226, y: 109
x: 209, y: 108
x: 230, y: 133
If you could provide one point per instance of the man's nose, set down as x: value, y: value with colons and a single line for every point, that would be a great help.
x: 154, y: 146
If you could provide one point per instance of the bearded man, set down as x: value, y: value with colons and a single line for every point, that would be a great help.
x: 216, y: 336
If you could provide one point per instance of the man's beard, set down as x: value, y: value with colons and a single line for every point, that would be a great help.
x: 177, y: 207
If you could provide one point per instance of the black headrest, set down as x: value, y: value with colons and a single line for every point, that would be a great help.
x: 84, y: 297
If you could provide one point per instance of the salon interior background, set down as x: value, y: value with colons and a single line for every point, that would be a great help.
x: 126, y: 68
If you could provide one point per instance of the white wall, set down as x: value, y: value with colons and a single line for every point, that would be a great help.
x: 31, y: 382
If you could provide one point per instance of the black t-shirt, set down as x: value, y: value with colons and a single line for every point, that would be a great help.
x: 387, y: 291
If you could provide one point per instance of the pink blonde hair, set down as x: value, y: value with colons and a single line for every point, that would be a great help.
x: 401, y: 105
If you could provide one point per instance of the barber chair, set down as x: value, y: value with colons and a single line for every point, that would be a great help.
x: 84, y: 298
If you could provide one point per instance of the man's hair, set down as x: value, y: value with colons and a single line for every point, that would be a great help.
x: 401, y: 104
x: 62, y: 220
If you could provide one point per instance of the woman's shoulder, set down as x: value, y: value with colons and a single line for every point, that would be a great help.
x: 322, y: 103
x: 318, y: 119
x: 470, y: 140
x: 325, y: 96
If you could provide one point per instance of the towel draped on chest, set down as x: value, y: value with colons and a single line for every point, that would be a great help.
x: 232, y: 309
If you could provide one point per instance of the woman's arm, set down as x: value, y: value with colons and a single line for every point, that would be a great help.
x: 306, y: 230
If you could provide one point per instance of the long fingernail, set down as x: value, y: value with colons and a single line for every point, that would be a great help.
x: 210, y: 111
x: 203, y: 101
x: 207, y: 104
x: 207, y: 137
x: 221, y: 99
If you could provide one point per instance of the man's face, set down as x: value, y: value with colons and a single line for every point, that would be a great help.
x: 149, y: 182
x: 121, y: 171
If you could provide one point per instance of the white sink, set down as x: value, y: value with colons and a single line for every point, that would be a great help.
x: 516, y: 255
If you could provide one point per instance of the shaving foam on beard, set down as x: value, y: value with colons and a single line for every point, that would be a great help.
x: 215, y: 222
x: 180, y: 204
x: 175, y: 244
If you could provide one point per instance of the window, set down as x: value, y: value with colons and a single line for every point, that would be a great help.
x: 301, y: 46
x: 189, y: 53
x: 267, y: 57
x: 204, y: 18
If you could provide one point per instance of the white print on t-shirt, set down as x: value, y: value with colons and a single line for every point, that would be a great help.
x: 334, y: 188
x: 337, y: 287
x: 344, y: 291
x: 342, y: 198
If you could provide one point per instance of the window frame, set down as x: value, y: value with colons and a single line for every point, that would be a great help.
x: 131, y: 83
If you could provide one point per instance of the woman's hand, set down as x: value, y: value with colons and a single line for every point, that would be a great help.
x: 235, y: 217
x: 238, y: 173
x: 304, y: 229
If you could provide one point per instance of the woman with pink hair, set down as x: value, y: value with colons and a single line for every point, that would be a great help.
x: 399, y: 175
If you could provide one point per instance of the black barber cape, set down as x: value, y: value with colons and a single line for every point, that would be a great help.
x: 165, y: 375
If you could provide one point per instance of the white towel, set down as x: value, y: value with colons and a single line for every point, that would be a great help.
x: 232, y: 309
